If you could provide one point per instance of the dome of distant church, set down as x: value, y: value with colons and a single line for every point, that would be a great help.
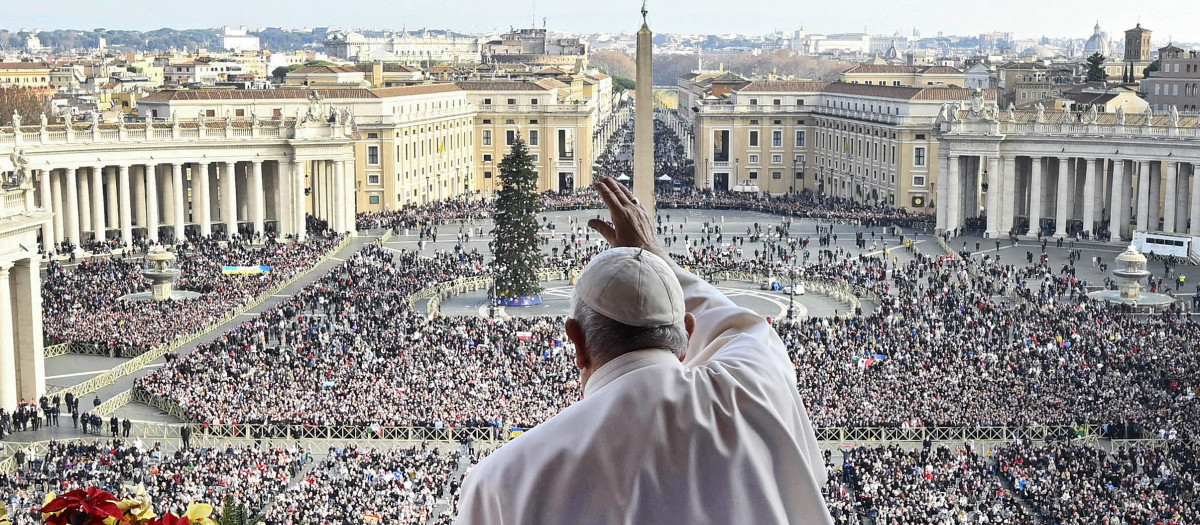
x: 1042, y: 51
x: 1097, y: 44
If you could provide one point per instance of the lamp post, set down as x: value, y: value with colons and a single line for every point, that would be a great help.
x: 850, y: 175
x: 791, y: 291
x: 797, y: 165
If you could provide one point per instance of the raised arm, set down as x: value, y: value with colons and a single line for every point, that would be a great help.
x: 718, y: 321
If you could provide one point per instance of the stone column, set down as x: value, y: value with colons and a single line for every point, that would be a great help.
x: 1061, y: 213
x: 954, y: 192
x: 98, y: 226
x: 71, y: 216
x: 139, y: 174
x: 167, y: 197
x: 1089, y: 196
x: 177, y: 206
x: 152, y: 202
x: 1195, y: 213
x: 257, y: 199
x: 1180, y: 193
x: 298, y: 200
x: 1143, y: 204
x: 229, y: 199
x: 58, y: 199
x: 201, y: 210
x: 8, y: 361
x: 124, y: 208
x: 110, y: 190
x: 1155, y: 205
x: 49, y: 236
x: 1169, y: 202
x: 27, y: 316
x: 1036, y: 191
x: 338, y: 222
x: 943, y: 194
x: 994, y: 207
x: 1009, y: 195
x: 85, y: 204
x: 1117, y: 205
x: 643, y: 146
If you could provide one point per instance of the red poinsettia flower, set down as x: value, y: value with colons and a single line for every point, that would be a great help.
x: 170, y: 519
x: 97, y: 504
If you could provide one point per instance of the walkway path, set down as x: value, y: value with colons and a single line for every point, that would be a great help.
x: 140, y: 412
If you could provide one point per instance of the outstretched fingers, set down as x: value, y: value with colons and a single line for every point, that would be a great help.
x: 605, y: 229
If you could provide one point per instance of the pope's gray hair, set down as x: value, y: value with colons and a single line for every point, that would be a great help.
x: 608, y: 339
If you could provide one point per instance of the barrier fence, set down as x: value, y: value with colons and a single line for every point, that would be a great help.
x: 141, y: 361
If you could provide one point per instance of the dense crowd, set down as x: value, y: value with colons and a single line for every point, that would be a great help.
x: 931, y: 485
x: 401, y: 486
x: 252, y: 475
x: 952, y: 341
x: 943, y: 347
x: 1076, y: 485
x: 348, y: 350
x: 83, y: 304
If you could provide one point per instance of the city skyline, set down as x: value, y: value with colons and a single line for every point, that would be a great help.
x: 1053, y: 20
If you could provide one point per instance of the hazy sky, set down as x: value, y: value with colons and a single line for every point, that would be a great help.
x: 1025, y: 18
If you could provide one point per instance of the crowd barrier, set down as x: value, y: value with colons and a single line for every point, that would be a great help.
x: 439, y: 292
x: 141, y: 361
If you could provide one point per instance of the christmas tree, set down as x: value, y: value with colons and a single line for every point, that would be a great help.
x: 516, y: 256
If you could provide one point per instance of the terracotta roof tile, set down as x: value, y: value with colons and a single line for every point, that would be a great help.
x: 24, y: 65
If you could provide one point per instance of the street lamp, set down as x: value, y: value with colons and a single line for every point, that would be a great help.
x: 797, y: 165
x: 850, y: 175
x: 791, y: 291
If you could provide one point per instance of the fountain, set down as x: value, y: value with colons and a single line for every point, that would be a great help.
x: 161, y: 272
x: 1131, y: 271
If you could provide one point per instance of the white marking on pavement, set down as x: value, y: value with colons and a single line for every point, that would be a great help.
x: 93, y: 372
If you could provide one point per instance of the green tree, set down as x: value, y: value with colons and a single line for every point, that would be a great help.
x: 280, y: 73
x: 1096, y: 71
x: 1150, y: 69
x: 517, y: 257
x: 622, y: 83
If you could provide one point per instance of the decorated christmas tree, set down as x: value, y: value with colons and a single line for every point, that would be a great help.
x: 514, y: 245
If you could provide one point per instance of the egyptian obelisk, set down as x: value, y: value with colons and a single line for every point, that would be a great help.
x: 643, y: 132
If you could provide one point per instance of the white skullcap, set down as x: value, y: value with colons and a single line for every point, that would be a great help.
x: 631, y: 286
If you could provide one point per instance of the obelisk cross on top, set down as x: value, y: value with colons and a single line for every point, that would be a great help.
x: 643, y: 132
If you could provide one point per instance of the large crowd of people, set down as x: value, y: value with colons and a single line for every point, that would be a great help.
x: 401, y: 486
x: 945, y: 347
x: 1075, y: 484
x: 84, y: 305
x: 252, y: 475
x: 932, y: 485
x: 953, y: 340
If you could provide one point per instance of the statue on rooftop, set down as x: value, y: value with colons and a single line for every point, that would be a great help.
x: 1041, y: 112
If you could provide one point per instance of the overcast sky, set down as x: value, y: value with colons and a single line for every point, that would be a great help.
x: 1025, y: 18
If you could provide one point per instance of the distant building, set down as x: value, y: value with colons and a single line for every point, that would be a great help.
x: 534, y: 48
x: 1105, y: 99
x: 1137, y: 50
x: 910, y: 76
x: 237, y: 40
x: 326, y: 76
x: 1177, y: 81
x: 406, y: 48
x: 842, y: 43
x: 1099, y: 43
x: 25, y: 74
x: 872, y: 144
x: 979, y: 76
